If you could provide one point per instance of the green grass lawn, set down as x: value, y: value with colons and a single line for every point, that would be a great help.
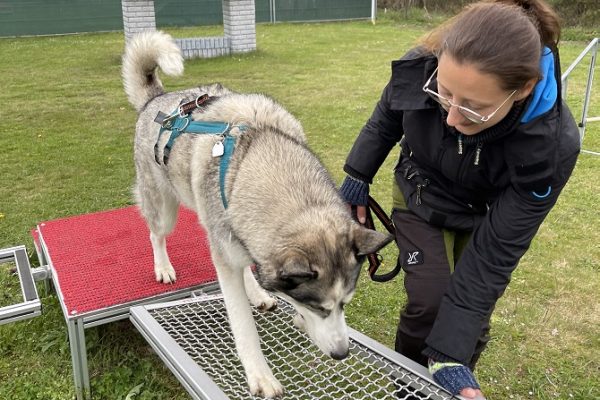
x: 66, y: 148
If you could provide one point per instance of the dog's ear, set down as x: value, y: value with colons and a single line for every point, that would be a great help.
x: 369, y: 241
x: 296, y: 270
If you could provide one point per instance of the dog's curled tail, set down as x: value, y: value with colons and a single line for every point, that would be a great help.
x: 143, y: 54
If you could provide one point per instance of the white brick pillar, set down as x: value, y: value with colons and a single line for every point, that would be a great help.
x: 239, y: 24
x: 138, y: 16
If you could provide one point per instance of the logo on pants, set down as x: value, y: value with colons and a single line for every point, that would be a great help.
x: 414, y: 257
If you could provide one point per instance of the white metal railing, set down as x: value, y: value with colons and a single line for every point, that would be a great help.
x: 592, y: 49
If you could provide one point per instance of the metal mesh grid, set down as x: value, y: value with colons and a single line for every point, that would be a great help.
x: 202, y: 330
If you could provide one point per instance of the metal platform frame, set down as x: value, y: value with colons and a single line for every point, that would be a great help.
x: 194, y: 340
x: 78, y: 323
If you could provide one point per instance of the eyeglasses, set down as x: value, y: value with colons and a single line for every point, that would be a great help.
x: 464, y: 111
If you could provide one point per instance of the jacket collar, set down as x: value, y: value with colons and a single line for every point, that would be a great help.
x: 409, y: 74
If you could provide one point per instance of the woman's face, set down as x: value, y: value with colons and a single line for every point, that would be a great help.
x: 465, y: 85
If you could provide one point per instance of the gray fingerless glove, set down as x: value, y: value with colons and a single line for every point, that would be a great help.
x: 355, y: 191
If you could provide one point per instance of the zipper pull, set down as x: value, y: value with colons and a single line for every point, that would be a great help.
x: 420, y: 187
x: 460, y: 144
x: 409, y: 174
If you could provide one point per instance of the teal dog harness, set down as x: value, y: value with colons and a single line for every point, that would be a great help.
x: 179, y: 122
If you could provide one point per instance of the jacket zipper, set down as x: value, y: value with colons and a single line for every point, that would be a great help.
x: 409, y: 174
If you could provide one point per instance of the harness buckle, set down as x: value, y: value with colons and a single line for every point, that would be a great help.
x: 182, y: 128
x: 165, y: 121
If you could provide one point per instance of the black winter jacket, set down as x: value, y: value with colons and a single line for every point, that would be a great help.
x: 501, y: 187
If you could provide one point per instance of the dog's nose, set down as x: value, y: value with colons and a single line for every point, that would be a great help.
x: 339, y: 355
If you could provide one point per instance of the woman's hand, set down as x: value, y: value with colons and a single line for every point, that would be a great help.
x: 361, y: 214
x: 470, y: 393
x: 456, y: 378
x: 356, y: 194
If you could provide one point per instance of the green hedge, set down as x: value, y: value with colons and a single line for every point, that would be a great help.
x: 573, y: 12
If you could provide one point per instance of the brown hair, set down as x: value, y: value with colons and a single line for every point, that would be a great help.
x: 500, y: 37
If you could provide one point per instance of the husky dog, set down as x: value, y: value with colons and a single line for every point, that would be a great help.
x: 278, y: 208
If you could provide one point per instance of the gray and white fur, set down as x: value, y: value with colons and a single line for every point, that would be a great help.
x: 284, y: 212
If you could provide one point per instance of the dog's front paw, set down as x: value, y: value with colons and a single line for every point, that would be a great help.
x: 264, y: 384
x: 259, y: 297
x: 299, y: 322
x: 165, y: 273
x: 268, y: 303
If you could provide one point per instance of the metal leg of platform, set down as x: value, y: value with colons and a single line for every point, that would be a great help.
x: 42, y: 273
x: 81, y: 374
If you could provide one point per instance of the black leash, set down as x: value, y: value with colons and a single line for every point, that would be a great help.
x: 375, y: 258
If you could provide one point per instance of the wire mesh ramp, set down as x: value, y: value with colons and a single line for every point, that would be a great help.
x: 194, y: 340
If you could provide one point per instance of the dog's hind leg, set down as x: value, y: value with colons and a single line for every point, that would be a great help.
x: 160, y: 212
x: 261, y: 380
x: 256, y: 294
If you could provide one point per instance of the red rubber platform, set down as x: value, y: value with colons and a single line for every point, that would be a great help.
x: 105, y: 259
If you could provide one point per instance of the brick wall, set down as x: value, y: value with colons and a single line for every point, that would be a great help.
x: 239, y: 27
x: 138, y: 16
x: 204, y: 47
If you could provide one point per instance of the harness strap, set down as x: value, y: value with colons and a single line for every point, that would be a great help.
x: 229, y: 143
x: 179, y: 122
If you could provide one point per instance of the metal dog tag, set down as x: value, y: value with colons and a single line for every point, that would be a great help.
x: 218, y: 149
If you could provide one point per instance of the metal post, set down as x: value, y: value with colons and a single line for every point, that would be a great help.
x: 373, y: 11
x: 273, y: 10
x: 592, y: 48
x: 588, y: 89
x: 81, y: 374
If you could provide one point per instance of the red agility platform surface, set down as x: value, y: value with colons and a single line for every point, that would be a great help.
x: 105, y: 259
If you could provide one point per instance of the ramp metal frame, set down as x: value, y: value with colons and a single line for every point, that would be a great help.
x: 194, y: 340
x: 30, y: 306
